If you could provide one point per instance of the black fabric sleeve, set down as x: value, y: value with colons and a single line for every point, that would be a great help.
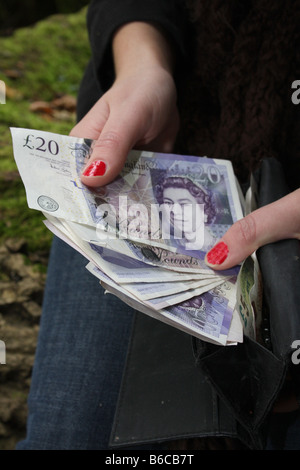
x: 106, y: 16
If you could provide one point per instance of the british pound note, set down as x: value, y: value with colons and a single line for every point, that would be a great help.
x: 147, y: 232
x: 180, y: 203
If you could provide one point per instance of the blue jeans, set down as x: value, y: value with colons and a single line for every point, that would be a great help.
x: 80, y: 356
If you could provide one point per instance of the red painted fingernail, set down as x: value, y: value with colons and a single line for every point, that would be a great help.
x: 217, y: 254
x: 97, y: 168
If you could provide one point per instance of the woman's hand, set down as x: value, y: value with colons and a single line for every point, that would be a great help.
x: 138, y: 111
x: 277, y: 221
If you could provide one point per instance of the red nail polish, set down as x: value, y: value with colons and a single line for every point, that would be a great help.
x: 217, y: 254
x: 96, y: 168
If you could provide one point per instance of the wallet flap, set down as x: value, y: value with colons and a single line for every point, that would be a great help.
x: 164, y: 396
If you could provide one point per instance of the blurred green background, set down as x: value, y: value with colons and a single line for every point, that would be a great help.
x: 43, y: 52
x: 15, y: 13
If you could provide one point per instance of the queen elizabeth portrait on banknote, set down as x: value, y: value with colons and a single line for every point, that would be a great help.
x: 187, y: 209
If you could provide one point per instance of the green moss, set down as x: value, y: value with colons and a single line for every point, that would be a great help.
x: 38, y: 63
x: 48, y: 58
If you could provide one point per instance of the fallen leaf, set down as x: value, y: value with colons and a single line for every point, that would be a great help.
x: 40, y: 107
x: 13, y: 93
x: 66, y: 102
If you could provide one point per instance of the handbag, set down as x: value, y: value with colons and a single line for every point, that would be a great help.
x: 179, y: 387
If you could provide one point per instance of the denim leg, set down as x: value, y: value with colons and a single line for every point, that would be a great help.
x: 80, y: 356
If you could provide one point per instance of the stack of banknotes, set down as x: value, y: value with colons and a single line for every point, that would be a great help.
x: 145, y: 235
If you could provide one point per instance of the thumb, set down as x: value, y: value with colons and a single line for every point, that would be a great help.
x: 110, y: 151
x: 276, y: 221
x: 113, y: 139
x: 120, y: 133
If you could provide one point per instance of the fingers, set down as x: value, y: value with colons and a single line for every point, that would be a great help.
x: 277, y: 221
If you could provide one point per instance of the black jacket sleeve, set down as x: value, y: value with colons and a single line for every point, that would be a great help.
x: 106, y: 16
